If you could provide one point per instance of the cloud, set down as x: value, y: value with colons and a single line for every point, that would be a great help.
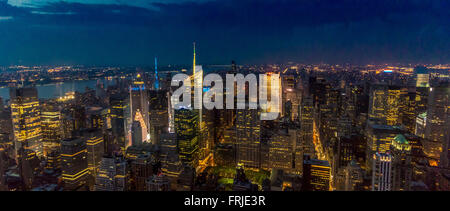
x: 52, y: 13
x: 5, y: 18
x: 135, y: 3
x: 250, y: 14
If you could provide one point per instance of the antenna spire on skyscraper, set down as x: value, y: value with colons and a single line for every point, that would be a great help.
x: 193, y: 70
x: 156, y: 74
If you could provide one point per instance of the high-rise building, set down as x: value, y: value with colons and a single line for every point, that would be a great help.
x: 382, y: 172
x: 3, y: 165
x: 187, y: 130
x: 354, y: 177
x: 422, y: 76
x: 171, y: 165
x: 28, y: 166
x: 95, y: 149
x: 186, y: 179
x: 316, y: 175
x: 306, y: 124
x: 387, y: 103
x: 421, y: 122
x: 292, y: 95
x: 74, y: 163
x: 248, y: 129
x: 112, y: 174
x: 117, y: 108
x: 401, y: 163
x: 281, y: 149
x: 438, y: 123
x: 136, y: 133
x: 141, y: 170
x: 379, y: 139
x: 53, y: 159
x: 158, y: 113
x: 51, y: 122
x: 305, y: 143
x: 25, y: 114
x: 158, y: 182
x: 139, y: 108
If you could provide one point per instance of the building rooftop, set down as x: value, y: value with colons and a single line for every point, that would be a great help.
x: 400, y: 139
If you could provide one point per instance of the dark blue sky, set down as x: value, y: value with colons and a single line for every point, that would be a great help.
x: 132, y: 32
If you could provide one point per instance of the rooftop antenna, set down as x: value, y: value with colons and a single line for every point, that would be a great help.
x: 156, y: 74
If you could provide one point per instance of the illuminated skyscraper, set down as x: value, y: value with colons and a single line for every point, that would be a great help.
x: 354, y: 176
x: 141, y: 170
x: 316, y: 175
x: 379, y: 139
x: 304, y: 143
x: 197, y: 103
x: 25, y: 114
x: 112, y: 174
x: 421, y: 122
x: 74, y: 163
x: 422, y: 77
x: 51, y: 121
x: 438, y: 123
x: 117, y: 115
x: 95, y: 149
x: 248, y: 143
x: 186, y: 128
x: 171, y: 165
x: 139, y: 107
x: 158, y: 113
x: 292, y: 95
x: 281, y: 149
x: 382, y: 172
x: 136, y: 134
x: 401, y: 163
x: 387, y: 103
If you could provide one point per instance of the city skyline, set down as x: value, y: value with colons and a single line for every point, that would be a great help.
x: 214, y: 97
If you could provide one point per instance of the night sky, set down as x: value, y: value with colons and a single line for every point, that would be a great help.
x: 132, y: 32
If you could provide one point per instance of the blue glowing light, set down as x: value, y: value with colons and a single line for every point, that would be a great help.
x: 156, y: 74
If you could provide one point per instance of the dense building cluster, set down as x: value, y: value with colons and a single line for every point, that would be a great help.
x: 344, y: 128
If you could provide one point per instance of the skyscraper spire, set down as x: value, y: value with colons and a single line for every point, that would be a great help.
x: 156, y: 74
x: 193, y: 70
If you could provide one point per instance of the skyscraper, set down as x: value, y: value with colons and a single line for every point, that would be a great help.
x: 139, y: 107
x: 422, y: 76
x: 51, y: 122
x: 158, y: 114
x: 401, y: 163
x: 304, y: 143
x: 171, y: 165
x: 95, y: 149
x: 438, y: 122
x: 136, y: 133
x: 248, y: 143
x: 281, y: 149
x: 74, y: 163
x: 382, y: 172
x: 379, y: 139
x: 158, y: 182
x: 186, y: 128
x: 117, y: 106
x: 387, y: 103
x: 316, y: 175
x: 25, y: 114
x: 112, y: 174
